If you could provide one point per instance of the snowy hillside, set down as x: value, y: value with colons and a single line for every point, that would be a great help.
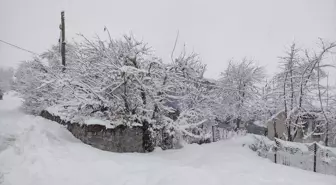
x: 35, y: 151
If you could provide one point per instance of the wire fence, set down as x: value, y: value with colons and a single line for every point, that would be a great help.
x: 311, y: 157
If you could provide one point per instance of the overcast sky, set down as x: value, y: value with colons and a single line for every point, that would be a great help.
x: 216, y: 29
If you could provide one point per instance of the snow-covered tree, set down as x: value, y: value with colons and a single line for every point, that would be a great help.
x: 119, y: 81
x: 122, y: 81
x: 298, y: 87
x: 240, y: 90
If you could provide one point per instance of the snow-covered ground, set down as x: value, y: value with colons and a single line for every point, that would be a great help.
x: 35, y: 151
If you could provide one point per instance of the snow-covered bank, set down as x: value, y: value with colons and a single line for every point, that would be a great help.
x: 39, y: 152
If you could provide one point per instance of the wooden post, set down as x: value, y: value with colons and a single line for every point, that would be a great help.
x: 327, y: 125
x: 275, y: 154
x: 315, y: 151
x: 213, y: 133
x: 63, y: 39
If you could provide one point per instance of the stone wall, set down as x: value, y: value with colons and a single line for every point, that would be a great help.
x: 255, y: 129
x: 119, y: 139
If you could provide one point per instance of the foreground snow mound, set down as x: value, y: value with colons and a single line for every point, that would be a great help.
x: 35, y: 151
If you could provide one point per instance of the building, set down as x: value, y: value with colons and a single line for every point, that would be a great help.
x: 311, y: 131
x: 276, y: 126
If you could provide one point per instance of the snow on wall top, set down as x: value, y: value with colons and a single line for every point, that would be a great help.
x: 56, y: 110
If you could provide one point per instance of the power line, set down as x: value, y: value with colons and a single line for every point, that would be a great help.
x: 18, y: 47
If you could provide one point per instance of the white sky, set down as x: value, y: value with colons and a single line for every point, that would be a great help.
x: 216, y: 29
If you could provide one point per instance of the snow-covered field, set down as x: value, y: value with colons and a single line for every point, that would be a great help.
x: 35, y: 151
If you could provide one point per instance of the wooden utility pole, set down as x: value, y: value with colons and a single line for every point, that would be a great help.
x: 213, y: 134
x: 63, y: 39
x: 327, y: 125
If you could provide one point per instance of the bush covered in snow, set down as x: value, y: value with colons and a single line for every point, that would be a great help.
x: 119, y: 82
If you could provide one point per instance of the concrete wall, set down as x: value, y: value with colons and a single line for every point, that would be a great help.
x: 119, y: 139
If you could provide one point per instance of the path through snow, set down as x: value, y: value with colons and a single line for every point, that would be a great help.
x: 35, y: 151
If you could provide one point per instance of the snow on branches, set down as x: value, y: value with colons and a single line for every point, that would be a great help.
x: 118, y: 82
x: 121, y: 81
x: 297, y: 91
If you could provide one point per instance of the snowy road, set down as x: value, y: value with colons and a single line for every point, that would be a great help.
x: 35, y: 151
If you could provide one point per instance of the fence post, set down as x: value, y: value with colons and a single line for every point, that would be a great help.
x: 213, y: 133
x: 275, y: 154
x: 315, y: 151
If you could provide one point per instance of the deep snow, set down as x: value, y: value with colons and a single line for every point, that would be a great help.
x: 35, y: 151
